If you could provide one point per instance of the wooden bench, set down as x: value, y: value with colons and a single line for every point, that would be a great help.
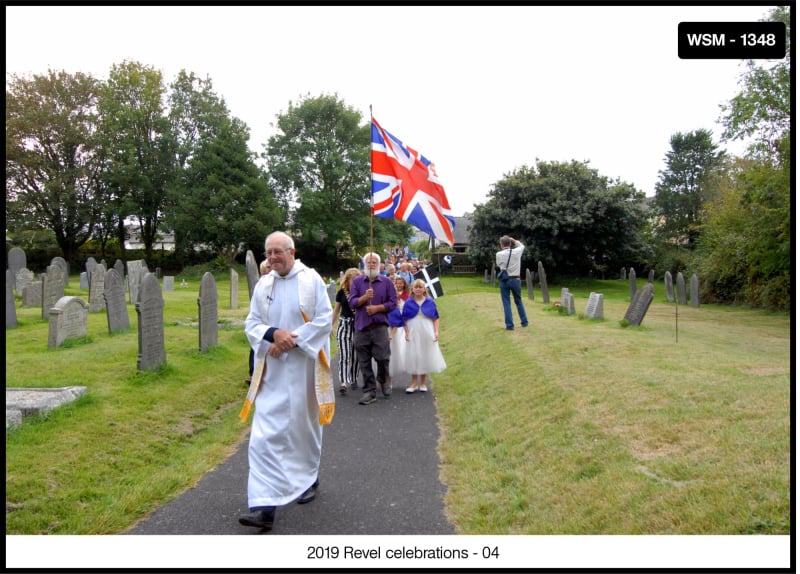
x: 463, y: 269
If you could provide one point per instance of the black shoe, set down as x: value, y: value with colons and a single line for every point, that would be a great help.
x: 310, y: 494
x: 354, y: 386
x: 367, y: 398
x: 263, y: 517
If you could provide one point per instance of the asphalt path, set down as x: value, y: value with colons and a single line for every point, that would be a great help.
x: 379, y: 474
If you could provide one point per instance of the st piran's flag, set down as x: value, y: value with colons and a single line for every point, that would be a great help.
x: 430, y: 275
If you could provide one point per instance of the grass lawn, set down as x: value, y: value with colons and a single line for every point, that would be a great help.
x: 569, y: 426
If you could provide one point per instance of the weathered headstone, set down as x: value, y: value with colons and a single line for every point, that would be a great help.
x: 632, y: 282
x: 564, y: 293
x: 529, y: 283
x: 332, y: 293
x: 158, y: 272
x: 150, y: 312
x: 120, y: 268
x: 651, y: 276
x: 96, y: 287
x: 52, y: 288
x: 17, y: 260
x: 623, y: 274
x: 11, y: 308
x: 639, y: 305
x: 681, y: 288
x: 494, y: 276
x: 251, y: 268
x: 11, y: 280
x: 24, y: 277
x: 84, y: 280
x: 169, y: 283
x: 234, y: 289
x: 694, y: 290
x: 207, y: 311
x: 668, y: 287
x: 543, y: 284
x: 568, y: 303
x: 62, y: 263
x: 594, y: 308
x: 32, y: 295
x: 68, y: 319
x: 136, y: 269
x: 486, y: 278
x: 116, y: 308
x: 91, y: 265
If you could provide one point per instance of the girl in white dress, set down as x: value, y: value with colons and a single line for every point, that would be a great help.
x: 397, y: 343
x: 422, y: 353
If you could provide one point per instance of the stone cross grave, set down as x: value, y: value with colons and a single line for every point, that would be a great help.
x: 116, y: 308
x: 67, y: 319
x: 150, y: 312
x: 639, y: 305
x: 207, y: 311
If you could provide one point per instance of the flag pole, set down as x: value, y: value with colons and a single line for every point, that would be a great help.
x: 371, y: 195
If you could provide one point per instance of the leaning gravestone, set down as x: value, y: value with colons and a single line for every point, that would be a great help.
x: 11, y: 308
x: 234, y: 289
x: 116, y: 308
x: 543, y: 284
x: 68, y: 319
x: 207, y: 311
x: 594, y: 308
x: 62, y: 263
x: 638, y: 307
x: 136, y: 269
x: 52, y: 289
x: 681, y: 289
x: 668, y: 287
x: 24, y: 278
x: 17, y: 260
x: 96, y: 287
x: 694, y: 290
x: 150, y: 311
x: 32, y: 295
x: 169, y: 283
x: 632, y: 281
x: 251, y: 267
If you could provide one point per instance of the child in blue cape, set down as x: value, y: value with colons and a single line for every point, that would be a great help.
x: 421, y: 324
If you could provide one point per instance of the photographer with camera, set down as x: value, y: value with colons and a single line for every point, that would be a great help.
x: 509, y: 259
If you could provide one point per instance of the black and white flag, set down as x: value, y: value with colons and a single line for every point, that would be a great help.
x: 430, y: 275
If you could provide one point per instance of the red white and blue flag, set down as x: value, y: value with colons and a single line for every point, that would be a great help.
x: 405, y: 186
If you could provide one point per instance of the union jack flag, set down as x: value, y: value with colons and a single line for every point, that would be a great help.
x: 405, y: 186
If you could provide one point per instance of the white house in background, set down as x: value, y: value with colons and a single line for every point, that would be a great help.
x: 165, y: 241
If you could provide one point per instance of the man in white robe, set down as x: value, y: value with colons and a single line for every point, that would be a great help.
x: 286, y: 436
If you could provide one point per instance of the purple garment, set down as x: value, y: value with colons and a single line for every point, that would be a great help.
x: 429, y: 309
x: 384, y: 293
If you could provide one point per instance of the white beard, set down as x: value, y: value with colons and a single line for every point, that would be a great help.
x: 372, y: 273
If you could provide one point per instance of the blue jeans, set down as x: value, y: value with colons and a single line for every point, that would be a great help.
x: 508, y: 287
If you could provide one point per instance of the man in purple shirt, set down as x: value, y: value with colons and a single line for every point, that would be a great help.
x: 372, y: 297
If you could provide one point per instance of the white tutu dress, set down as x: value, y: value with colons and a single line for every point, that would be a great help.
x: 422, y: 353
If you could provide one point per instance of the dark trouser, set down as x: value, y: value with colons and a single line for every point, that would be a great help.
x: 373, y: 344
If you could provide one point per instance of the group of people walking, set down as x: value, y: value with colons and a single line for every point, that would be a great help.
x: 391, y: 323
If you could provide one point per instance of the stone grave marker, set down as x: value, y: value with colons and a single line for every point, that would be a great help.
x: 529, y: 283
x: 632, y: 281
x: 91, y: 265
x: 651, y: 277
x: 594, y: 307
x: 681, y: 288
x: 120, y: 268
x: 11, y: 308
x: 694, y: 290
x: 68, y: 319
x: 158, y: 272
x: 253, y: 274
x: 543, y: 284
x: 23, y: 278
x: 150, y: 313
x: 332, y: 292
x: 11, y: 280
x: 638, y: 307
x: 568, y: 302
x: 96, y: 287
x: 136, y: 270
x: 207, y: 311
x: 116, y: 308
x: 234, y: 289
x: 52, y: 288
x: 169, y: 283
x: 62, y: 263
x: 623, y: 274
x: 564, y: 293
x: 84, y: 280
x: 486, y: 278
x: 32, y: 295
x: 668, y: 287
x: 17, y: 259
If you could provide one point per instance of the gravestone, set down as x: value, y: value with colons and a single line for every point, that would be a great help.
x: 11, y: 308
x: 136, y: 270
x: 632, y: 281
x: 529, y: 283
x: 564, y: 293
x: 651, y: 276
x: 52, y: 288
x: 251, y: 268
x: 594, y: 308
x: 694, y: 290
x: 23, y: 278
x: 494, y: 276
x: 668, y: 287
x: 169, y: 283
x: 17, y: 260
x: 568, y: 302
x: 207, y: 312
x: 84, y: 280
x: 11, y: 280
x: 543, y: 284
x: 62, y: 263
x: 68, y: 319
x: 622, y: 274
x: 332, y: 293
x: 91, y: 265
x: 681, y: 288
x: 639, y: 305
x: 150, y: 312
x: 158, y: 272
x: 120, y: 268
x: 32, y: 295
x: 96, y: 287
x: 486, y: 278
x: 116, y: 308
x: 103, y: 262
x: 234, y: 289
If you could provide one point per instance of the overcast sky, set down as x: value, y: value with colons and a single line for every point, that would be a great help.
x: 480, y: 91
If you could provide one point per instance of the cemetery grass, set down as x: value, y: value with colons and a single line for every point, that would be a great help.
x: 571, y: 426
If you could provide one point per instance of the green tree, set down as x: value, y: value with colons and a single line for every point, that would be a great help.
x: 53, y: 165
x: 319, y: 168
x: 140, y: 146
x: 569, y: 217
x: 686, y: 183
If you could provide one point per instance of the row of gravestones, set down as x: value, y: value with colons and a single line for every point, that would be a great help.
x: 640, y: 298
